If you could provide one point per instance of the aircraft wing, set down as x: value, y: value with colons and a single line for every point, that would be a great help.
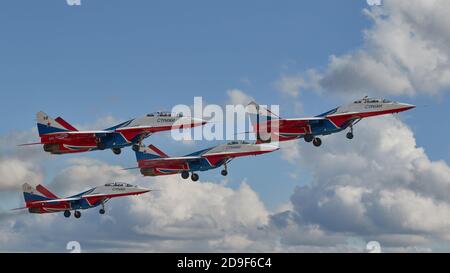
x: 54, y: 137
x: 19, y: 208
x: 303, y: 125
x: 215, y: 159
x: 93, y: 199
x: 300, y: 121
x: 57, y: 200
x: 81, y: 133
x: 287, y: 126
x: 96, y: 198
x: 133, y: 133
x: 90, y: 198
x: 344, y: 118
x: 30, y: 144
x: 169, y: 162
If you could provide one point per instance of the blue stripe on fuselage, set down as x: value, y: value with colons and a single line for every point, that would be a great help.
x: 114, y: 140
x: 199, y: 153
x: 202, y: 164
x: 29, y: 197
x: 45, y: 129
x: 145, y: 156
x: 332, y: 111
x: 83, y: 204
x: 123, y: 124
x: 323, y: 127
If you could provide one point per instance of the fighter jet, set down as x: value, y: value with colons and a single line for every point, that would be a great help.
x: 153, y: 162
x: 40, y: 200
x: 59, y: 137
x: 333, y: 121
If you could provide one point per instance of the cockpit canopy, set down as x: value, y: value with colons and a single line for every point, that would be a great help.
x: 372, y: 100
x: 165, y: 114
x: 119, y: 184
x: 235, y: 142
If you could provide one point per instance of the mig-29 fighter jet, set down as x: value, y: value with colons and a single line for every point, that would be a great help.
x: 59, y: 137
x: 40, y: 200
x: 333, y: 121
x: 153, y: 162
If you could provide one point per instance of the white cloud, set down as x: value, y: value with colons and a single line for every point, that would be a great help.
x: 19, y: 164
x: 85, y: 173
x: 291, y: 85
x: 290, y: 151
x: 100, y: 123
x: 405, y: 52
x: 379, y: 185
x: 178, y: 216
x: 198, y: 210
x: 14, y: 172
x: 238, y: 97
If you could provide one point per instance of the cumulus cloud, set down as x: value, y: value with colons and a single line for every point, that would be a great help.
x: 203, y: 211
x: 238, y: 97
x: 177, y: 216
x: 291, y: 85
x: 379, y: 185
x: 100, y: 123
x: 85, y: 172
x: 19, y: 164
x: 405, y: 52
x: 14, y: 172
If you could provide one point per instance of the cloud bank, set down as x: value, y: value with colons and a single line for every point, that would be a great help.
x: 405, y: 52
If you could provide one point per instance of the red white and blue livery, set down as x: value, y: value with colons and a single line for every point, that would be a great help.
x: 336, y: 120
x: 59, y: 137
x: 153, y: 162
x: 40, y: 200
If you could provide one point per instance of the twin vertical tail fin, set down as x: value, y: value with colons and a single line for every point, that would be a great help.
x: 48, y: 125
x: 263, y: 129
x: 32, y: 194
x: 150, y: 152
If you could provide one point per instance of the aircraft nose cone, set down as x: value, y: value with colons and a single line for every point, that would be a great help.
x: 199, y: 121
x: 269, y: 147
x: 406, y: 106
x: 142, y: 190
x: 410, y: 106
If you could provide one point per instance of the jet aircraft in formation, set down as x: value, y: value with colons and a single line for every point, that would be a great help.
x: 40, y: 200
x: 153, y: 162
x: 330, y: 122
x: 59, y: 137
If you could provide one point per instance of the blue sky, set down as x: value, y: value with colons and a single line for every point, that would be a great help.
x: 124, y: 59
x: 121, y: 59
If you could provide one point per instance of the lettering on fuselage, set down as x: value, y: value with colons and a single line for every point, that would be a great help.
x: 233, y: 147
x: 165, y: 120
x: 371, y: 106
x: 118, y: 189
x: 62, y: 136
